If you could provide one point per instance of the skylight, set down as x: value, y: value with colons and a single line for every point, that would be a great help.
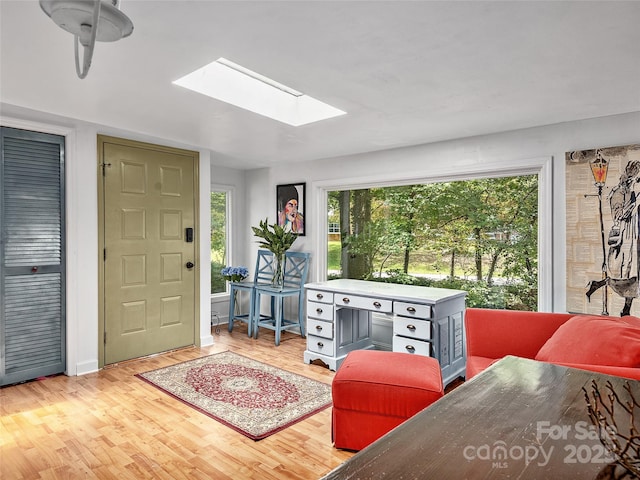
x: 239, y: 86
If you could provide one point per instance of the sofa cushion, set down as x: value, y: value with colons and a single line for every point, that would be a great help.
x: 494, y: 333
x: 594, y: 340
x: 624, y: 372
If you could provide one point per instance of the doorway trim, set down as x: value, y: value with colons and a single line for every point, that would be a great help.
x: 71, y: 267
x: 101, y: 140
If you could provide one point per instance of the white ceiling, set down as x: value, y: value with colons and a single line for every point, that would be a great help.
x: 407, y: 72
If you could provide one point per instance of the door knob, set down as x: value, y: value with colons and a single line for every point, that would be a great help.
x: 190, y: 265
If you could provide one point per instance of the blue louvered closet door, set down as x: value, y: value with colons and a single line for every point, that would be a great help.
x: 32, y: 260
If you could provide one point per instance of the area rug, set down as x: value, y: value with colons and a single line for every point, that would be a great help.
x: 251, y: 397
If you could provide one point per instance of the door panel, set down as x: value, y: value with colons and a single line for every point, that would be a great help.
x: 32, y: 255
x: 149, y: 292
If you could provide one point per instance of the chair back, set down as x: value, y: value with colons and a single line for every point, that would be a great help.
x: 265, y: 266
x: 296, y: 268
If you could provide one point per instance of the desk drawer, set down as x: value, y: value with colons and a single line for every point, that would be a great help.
x: 412, y: 327
x: 320, y: 296
x: 320, y: 328
x: 416, y: 310
x: 322, y: 311
x: 409, y: 345
x: 320, y: 345
x: 364, y: 303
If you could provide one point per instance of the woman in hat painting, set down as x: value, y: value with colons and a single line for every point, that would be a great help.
x: 288, y: 216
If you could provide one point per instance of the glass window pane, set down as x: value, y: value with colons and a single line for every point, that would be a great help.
x: 478, y: 235
x: 218, y: 240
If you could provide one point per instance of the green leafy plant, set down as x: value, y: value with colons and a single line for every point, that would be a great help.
x: 274, y: 238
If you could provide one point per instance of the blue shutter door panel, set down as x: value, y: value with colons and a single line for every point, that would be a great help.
x: 32, y: 259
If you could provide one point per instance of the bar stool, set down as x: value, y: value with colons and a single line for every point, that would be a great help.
x: 296, y: 268
x: 263, y: 273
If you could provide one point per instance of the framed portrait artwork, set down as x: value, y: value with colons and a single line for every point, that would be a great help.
x: 290, y: 207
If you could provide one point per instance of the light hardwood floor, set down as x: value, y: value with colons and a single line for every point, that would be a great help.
x: 111, y: 425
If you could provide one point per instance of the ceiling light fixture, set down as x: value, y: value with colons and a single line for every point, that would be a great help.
x: 234, y: 84
x: 88, y: 21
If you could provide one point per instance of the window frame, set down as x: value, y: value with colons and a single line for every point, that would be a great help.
x: 541, y: 166
x: 335, y: 229
x: 229, y: 193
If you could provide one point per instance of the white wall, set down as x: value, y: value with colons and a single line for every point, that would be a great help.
x: 204, y: 244
x: 451, y: 159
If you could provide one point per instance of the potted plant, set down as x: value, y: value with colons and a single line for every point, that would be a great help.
x: 275, y: 239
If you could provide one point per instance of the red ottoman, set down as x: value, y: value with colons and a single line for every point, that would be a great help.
x: 375, y: 391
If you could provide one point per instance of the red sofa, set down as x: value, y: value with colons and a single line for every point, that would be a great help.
x: 609, y: 345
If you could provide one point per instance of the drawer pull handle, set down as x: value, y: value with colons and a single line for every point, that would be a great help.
x: 411, y: 310
x: 320, y: 344
x: 411, y: 327
x: 318, y: 310
x: 345, y: 300
x: 318, y: 328
x: 377, y: 304
x: 319, y: 296
x: 410, y: 348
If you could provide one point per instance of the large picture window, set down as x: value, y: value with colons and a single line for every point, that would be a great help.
x: 478, y: 235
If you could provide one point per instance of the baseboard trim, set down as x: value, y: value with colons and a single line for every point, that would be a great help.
x: 85, y: 368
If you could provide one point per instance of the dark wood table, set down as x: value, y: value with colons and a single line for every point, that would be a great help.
x: 518, y: 419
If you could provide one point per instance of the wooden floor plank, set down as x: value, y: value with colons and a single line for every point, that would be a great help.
x: 110, y: 424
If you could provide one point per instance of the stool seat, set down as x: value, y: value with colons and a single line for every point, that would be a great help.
x: 375, y: 391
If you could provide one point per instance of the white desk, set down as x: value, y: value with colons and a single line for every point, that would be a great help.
x: 426, y: 321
